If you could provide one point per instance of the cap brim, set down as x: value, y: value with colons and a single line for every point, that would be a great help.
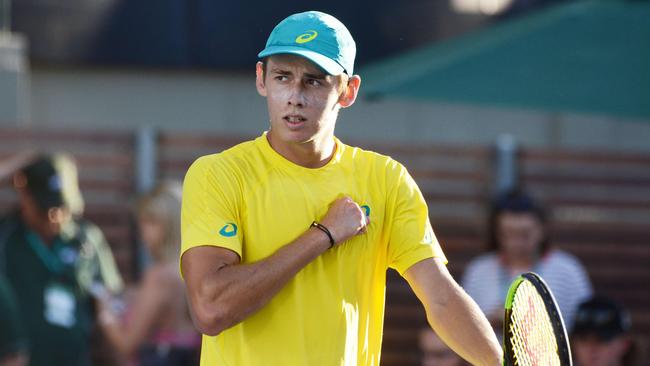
x: 327, y: 64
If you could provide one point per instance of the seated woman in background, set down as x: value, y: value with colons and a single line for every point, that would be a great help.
x: 158, y: 326
x: 519, y: 242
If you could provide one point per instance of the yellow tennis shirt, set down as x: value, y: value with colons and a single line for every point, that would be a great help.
x: 253, y: 201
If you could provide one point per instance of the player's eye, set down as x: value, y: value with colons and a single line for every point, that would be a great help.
x: 314, y: 82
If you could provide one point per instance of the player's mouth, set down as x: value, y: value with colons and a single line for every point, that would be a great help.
x: 294, y: 120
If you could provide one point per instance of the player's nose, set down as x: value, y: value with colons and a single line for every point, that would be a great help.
x: 296, y: 96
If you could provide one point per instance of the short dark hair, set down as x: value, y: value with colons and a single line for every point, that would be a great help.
x: 601, y: 316
x: 514, y: 201
x: 265, y: 62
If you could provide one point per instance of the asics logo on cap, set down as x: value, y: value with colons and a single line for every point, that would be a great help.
x: 309, y: 36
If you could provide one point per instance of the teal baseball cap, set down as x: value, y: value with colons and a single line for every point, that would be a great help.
x: 317, y: 36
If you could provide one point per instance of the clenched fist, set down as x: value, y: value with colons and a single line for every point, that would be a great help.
x: 345, y: 219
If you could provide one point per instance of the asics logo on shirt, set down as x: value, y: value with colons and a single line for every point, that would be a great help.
x: 366, y: 210
x: 228, y: 230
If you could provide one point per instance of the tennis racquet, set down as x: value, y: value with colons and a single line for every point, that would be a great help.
x: 533, y: 329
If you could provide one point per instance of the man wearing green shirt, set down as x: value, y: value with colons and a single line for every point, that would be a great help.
x: 13, y: 342
x: 54, y: 262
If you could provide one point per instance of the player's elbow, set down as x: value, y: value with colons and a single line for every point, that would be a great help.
x: 210, y: 313
x: 211, y: 320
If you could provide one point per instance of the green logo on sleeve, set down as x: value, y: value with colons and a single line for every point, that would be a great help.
x: 228, y: 230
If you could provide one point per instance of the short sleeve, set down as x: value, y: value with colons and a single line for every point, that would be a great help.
x: 411, y: 236
x: 210, y: 208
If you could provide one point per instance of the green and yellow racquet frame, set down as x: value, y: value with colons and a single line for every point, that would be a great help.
x: 533, y: 329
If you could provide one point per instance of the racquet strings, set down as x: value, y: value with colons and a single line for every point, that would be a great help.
x: 531, y: 332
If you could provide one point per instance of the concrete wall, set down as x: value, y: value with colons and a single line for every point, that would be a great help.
x: 229, y: 104
x: 171, y: 100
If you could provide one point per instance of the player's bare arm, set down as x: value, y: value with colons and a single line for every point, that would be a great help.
x: 452, y: 314
x: 223, y: 292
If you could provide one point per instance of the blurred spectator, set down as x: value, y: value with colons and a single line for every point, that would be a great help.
x: 601, y: 335
x: 13, y: 342
x: 519, y: 242
x: 435, y: 352
x: 158, y: 324
x: 54, y: 260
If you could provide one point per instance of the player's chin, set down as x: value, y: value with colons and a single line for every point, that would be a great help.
x: 297, y: 135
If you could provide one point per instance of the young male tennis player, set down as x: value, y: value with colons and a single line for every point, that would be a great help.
x: 287, y: 238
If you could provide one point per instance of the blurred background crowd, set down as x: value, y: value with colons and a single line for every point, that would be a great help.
x: 526, y: 124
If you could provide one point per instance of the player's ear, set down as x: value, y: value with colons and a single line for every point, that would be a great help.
x: 350, y: 92
x: 259, y: 79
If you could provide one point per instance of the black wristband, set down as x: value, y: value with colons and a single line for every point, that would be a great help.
x: 325, y: 230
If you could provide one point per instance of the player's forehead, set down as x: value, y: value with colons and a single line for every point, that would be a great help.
x: 293, y: 64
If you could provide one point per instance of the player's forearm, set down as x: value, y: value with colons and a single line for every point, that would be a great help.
x: 462, y: 325
x: 232, y: 293
x: 453, y: 314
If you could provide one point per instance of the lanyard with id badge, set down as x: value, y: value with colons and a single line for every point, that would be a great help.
x: 59, y: 301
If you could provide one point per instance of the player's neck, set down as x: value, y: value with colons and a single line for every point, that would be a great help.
x: 312, y: 154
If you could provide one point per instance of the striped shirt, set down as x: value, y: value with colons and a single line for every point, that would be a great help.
x: 487, y: 280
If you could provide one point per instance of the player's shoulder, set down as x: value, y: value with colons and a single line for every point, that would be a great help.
x: 227, y: 159
x: 362, y: 156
